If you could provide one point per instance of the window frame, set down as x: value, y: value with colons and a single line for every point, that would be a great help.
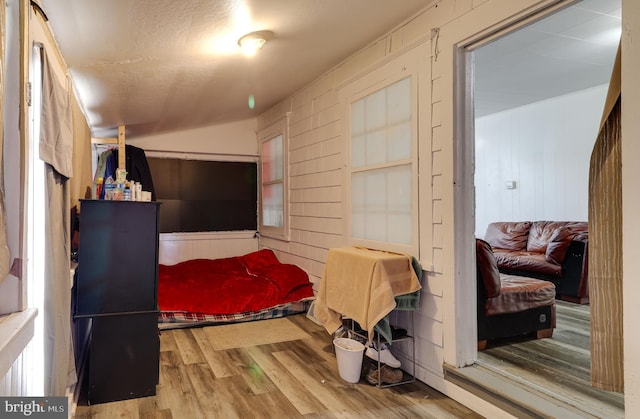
x: 276, y: 129
x: 380, y: 78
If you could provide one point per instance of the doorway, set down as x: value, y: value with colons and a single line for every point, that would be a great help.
x: 538, y: 94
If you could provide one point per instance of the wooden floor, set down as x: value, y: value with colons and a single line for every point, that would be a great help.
x: 560, y: 364
x: 295, y: 379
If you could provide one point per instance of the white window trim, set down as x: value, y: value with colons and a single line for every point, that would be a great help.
x: 279, y: 127
x: 406, y: 65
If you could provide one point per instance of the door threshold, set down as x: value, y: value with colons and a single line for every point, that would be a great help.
x: 514, y: 395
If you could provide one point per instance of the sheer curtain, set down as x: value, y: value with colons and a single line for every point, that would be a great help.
x: 605, y: 245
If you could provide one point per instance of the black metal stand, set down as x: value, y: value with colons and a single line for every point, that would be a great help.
x: 406, y: 376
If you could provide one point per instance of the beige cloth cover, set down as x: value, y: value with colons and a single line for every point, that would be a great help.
x: 56, y: 123
x: 362, y: 284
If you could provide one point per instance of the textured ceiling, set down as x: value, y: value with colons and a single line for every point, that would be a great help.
x: 571, y: 50
x: 166, y: 65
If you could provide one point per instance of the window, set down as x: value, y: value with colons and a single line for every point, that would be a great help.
x: 273, y: 180
x: 382, y: 173
x: 272, y: 183
x: 36, y: 223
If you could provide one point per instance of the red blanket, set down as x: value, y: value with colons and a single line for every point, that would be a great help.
x: 232, y: 285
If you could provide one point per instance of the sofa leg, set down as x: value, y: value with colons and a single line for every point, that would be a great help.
x: 546, y: 333
x: 482, y: 345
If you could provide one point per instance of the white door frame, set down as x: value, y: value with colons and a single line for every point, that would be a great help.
x: 464, y: 168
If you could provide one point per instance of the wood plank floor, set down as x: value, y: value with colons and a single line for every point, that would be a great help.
x: 295, y: 379
x: 560, y: 364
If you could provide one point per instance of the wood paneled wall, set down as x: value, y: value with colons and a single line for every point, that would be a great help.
x: 14, y: 381
x: 317, y: 158
x: 531, y: 145
x: 178, y: 247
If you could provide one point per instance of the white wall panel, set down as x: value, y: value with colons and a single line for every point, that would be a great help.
x: 178, y: 247
x: 234, y: 138
x: 316, y: 179
x: 16, y: 331
x: 545, y: 148
x: 14, y: 382
x: 316, y: 172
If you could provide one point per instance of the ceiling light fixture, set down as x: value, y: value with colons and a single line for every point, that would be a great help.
x: 253, y: 41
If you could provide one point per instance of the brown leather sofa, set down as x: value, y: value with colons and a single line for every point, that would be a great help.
x: 510, y: 305
x: 555, y: 251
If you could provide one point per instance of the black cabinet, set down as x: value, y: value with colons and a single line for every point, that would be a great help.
x: 124, y: 357
x: 117, y: 257
x: 117, y: 289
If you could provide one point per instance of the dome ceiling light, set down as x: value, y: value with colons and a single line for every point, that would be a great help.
x: 253, y: 41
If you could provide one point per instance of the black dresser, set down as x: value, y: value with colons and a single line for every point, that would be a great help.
x: 116, y: 299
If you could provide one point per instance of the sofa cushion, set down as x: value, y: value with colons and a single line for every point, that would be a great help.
x: 552, y: 238
x: 508, y: 235
x: 526, y: 262
x: 487, y: 268
x: 579, y: 230
x: 540, y: 235
x: 558, y: 245
x: 520, y: 293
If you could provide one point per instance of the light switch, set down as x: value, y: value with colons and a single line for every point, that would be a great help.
x: 511, y: 184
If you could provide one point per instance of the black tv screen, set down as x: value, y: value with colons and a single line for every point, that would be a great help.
x: 200, y: 195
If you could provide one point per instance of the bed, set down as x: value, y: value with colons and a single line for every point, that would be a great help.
x: 255, y: 286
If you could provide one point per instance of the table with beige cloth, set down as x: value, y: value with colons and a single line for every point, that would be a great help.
x: 362, y: 284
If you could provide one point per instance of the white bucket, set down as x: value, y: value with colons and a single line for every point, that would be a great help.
x: 349, y: 354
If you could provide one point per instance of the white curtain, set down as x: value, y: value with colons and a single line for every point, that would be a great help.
x: 56, y: 150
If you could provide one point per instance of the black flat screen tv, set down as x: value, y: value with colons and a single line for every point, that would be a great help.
x: 205, y: 196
